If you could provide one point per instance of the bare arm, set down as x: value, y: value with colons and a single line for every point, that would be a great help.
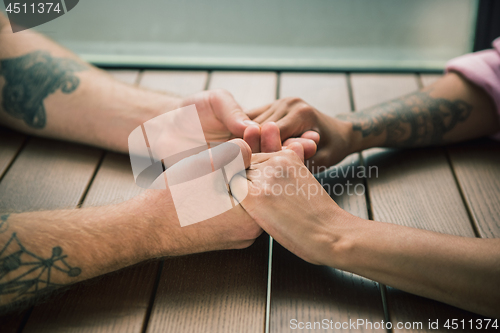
x: 450, y: 110
x: 48, y: 91
x: 42, y: 251
x: 460, y: 271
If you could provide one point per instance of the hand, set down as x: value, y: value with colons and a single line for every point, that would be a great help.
x: 233, y: 229
x: 222, y: 118
x: 288, y: 203
x: 297, y: 121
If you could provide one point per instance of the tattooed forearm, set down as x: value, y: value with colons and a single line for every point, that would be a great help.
x: 24, y: 274
x: 29, y: 79
x: 414, y: 120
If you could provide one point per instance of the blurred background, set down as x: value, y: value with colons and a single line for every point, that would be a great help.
x: 270, y: 34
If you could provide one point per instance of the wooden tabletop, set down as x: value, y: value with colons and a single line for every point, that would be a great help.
x: 453, y: 190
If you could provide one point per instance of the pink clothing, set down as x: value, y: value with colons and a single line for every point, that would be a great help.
x: 483, y: 69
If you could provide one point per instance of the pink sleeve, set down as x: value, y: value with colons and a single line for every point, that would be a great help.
x: 483, y: 69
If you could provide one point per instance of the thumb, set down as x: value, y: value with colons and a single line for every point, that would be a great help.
x: 297, y: 148
x: 229, y: 112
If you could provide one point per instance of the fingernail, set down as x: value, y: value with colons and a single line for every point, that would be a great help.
x: 250, y: 122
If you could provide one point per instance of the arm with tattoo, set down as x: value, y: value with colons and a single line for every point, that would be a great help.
x: 46, y: 90
x: 450, y: 110
x: 43, y: 251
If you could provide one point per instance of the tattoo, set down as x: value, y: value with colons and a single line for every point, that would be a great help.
x: 413, y: 120
x: 30, y: 274
x: 30, y: 78
x: 4, y: 225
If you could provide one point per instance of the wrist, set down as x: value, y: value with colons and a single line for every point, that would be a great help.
x: 345, y: 232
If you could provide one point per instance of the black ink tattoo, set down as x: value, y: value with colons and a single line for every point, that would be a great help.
x: 29, y: 79
x: 413, y: 120
x: 4, y: 225
x: 30, y: 274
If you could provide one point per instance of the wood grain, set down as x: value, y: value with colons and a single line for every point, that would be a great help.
x: 326, y: 92
x: 220, y: 291
x: 213, y: 292
x: 477, y: 168
x: 47, y: 175
x: 10, y: 143
x: 250, y: 89
x: 310, y: 293
x: 178, y: 82
x: 113, y: 183
x: 371, y: 89
x: 415, y: 188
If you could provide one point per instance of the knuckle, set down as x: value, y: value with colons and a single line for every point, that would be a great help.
x: 304, y: 110
x: 293, y: 100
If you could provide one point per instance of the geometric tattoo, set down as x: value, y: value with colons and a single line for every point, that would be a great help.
x: 30, y: 274
x: 30, y: 78
x: 413, y: 120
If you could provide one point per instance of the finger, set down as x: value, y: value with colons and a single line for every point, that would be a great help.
x: 229, y: 112
x: 252, y: 137
x: 264, y: 116
x: 297, y: 148
x: 254, y: 113
x: 270, y: 140
x: 290, y: 126
x: 246, y: 151
x: 276, y: 115
x: 308, y: 145
x: 311, y: 135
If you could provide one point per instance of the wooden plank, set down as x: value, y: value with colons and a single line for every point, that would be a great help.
x: 115, y: 302
x: 477, y: 168
x: 46, y: 175
x: 428, y: 79
x: 10, y: 143
x: 221, y: 291
x: 181, y: 83
x: 371, y: 89
x: 415, y: 188
x: 310, y: 293
x: 325, y: 91
x: 250, y: 89
x: 126, y: 76
x: 114, y: 183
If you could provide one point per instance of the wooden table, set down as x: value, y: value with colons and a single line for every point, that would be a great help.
x: 454, y: 190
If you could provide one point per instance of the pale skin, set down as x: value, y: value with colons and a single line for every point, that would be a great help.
x: 460, y: 271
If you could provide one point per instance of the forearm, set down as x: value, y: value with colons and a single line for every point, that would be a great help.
x: 48, y: 91
x: 456, y: 270
x: 41, y: 251
x: 450, y: 110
